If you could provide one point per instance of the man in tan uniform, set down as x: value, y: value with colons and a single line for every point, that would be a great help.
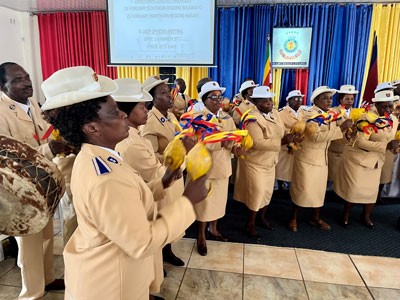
x: 310, y: 166
x: 346, y: 96
x: 20, y: 117
x: 181, y: 100
x: 246, y: 90
x: 288, y: 115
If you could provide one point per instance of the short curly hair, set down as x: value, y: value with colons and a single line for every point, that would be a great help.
x: 69, y: 120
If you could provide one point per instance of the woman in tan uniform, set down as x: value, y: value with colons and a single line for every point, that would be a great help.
x: 139, y: 154
x: 346, y: 96
x: 310, y: 166
x: 288, y: 115
x: 213, y: 207
x: 246, y: 90
x: 256, y: 173
x: 160, y: 129
x: 110, y: 254
x: 360, y: 169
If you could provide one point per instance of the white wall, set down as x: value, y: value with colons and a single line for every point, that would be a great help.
x: 19, y: 34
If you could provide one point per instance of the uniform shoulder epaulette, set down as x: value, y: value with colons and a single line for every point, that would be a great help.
x: 100, y: 166
x: 305, y: 108
x: 281, y: 109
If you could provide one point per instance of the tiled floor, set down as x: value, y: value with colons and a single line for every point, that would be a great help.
x: 242, y: 271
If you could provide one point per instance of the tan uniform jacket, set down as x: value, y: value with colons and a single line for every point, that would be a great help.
x: 138, y: 153
x: 256, y: 174
x: 15, y: 122
x: 181, y: 104
x: 110, y: 255
x: 284, y: 166
x: 213, y: 207
x: 335, y: 149
x: 35, y: 253
x: 361, y: 166
x: 159, y: 130
x: 310, y: 165
x: 239, y: 110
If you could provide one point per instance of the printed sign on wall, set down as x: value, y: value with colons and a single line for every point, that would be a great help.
x: 291, y: 47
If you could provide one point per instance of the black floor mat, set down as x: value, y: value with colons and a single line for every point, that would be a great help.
x: 357, y: 239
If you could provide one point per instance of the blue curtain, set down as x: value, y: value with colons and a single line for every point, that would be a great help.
x: 338, y: 48
x: 240, y: 45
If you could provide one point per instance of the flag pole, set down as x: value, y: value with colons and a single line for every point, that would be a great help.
x: 270, y: 57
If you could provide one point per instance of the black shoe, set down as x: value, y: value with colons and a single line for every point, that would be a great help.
x: 253, y: 235
x: 345, y: 224
x: 368, y: 224
x: 56, y: 285
x: 154, y: 297
x: 202, y: 249
x: 267, y: 225
x: 219, y: 237
x: 173, y: 259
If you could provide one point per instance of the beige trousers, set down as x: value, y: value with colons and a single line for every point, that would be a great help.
x: 35, y: 258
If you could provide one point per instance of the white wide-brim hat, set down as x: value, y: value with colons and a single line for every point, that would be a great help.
x: 74, y: 85
x: 209, y: 87
x: 152, y: 81
x: 385, y: 96
x: 320, y: 90
x: 130, y: 90
x: 262, y: 92
x: 384, y: 86
x: 347, y: 89
x: 246, y: 85
x: 294, y: 93
x: 395, y: 83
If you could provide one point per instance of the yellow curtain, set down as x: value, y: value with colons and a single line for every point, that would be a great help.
x: 139, y: 73
x: 191, y: 75
x: 385, y: 23
x: 276, y: 85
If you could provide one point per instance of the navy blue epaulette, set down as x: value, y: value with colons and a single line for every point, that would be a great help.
x: 101, y: 166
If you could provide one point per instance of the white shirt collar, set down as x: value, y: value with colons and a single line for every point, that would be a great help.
x: 296, y: 113
x: 111, y: 151
x: 24, y: 107
x: 347, y: 111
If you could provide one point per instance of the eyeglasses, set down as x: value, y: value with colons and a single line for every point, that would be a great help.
x: 215, y: 98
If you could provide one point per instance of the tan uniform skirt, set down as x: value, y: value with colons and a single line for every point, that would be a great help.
x: 387, y: 169
x: 334, y: 159
x: 284, y: 167
x: 213, y: 207
x: 255, y: 185
x: 308, y: 184
x: 357, y: 184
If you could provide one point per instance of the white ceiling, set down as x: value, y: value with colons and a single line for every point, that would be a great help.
x: 85, y: 5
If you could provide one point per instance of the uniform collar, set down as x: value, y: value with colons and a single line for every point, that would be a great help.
x: 317, y: 109
x: 21, y: 110
x: 296, y: 113
x: 160, y: 116
x: 112, y: 151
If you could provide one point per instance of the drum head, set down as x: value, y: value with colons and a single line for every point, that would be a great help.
x: 30, y: 188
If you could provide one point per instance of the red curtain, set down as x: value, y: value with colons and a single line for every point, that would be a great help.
x: 302, y: 82
x: 74, y: 39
